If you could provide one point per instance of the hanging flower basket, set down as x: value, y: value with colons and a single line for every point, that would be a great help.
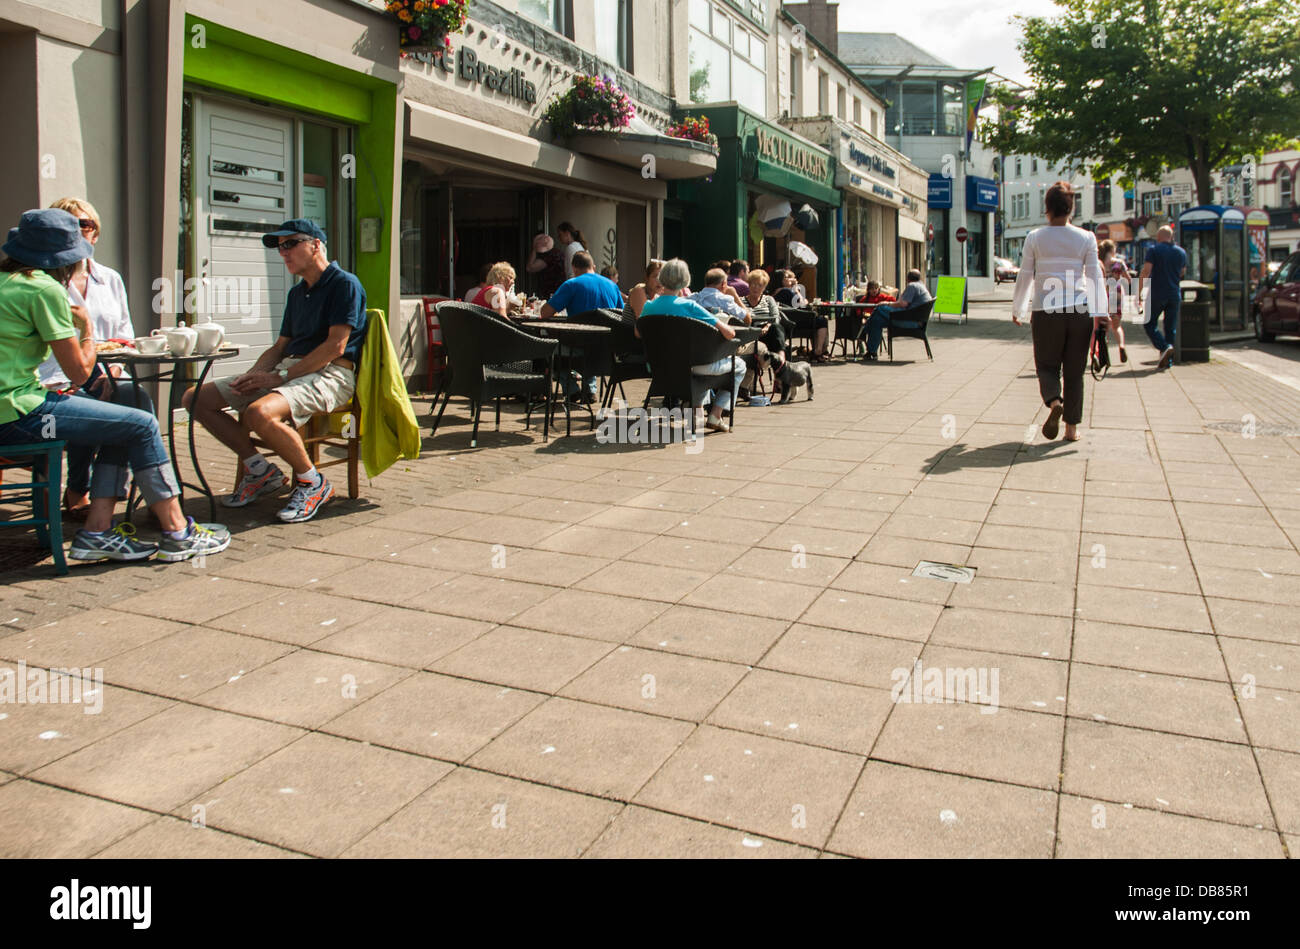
x: 693, y: 129
x: 594, y: 103
x: 425, y: 25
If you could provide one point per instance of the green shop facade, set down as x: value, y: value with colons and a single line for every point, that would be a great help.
x: 254, y: 124
x: 711, y: 219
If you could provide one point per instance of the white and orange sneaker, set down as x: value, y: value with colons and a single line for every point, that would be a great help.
x: 306, y: 500
x: 251, y: 486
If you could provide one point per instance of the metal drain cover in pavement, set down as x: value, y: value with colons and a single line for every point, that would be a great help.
x: 944, y: 571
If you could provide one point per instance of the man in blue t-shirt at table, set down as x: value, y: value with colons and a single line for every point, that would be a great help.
x: 1161, y: 272
x: 310, y: 368
x: 585, y: 290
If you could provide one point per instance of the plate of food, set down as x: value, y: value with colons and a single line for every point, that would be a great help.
x: 110, y: 346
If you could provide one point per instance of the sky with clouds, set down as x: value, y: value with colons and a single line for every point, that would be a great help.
x: 975, y: 35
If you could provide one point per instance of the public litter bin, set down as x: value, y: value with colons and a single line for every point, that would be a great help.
x: 1192, y: 341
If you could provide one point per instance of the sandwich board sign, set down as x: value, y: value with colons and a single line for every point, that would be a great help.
x: 950, y: 297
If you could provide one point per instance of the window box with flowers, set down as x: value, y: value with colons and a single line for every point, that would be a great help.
x: 693, y: 129
x: 593, y: 104
x: 426, y: 25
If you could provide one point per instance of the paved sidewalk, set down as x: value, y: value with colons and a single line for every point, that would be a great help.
x: 612, y: 650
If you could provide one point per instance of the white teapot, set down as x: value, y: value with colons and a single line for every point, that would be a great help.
x: 210, y: 336
x: 181, y: 340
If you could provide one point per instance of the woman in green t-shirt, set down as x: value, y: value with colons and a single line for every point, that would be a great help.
x: 35, y: 320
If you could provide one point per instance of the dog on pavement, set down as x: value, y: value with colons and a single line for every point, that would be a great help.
x: 791, y: 376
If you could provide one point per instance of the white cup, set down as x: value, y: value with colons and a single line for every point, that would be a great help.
x: 150, y: 345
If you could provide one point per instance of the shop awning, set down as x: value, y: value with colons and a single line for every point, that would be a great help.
x: 674, y: 158
x: 910, y: 229
x: 490, y: 148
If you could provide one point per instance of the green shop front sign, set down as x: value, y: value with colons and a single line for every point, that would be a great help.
x: 778, y: 159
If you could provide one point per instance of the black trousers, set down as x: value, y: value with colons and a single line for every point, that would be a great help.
x: 1061, y: 352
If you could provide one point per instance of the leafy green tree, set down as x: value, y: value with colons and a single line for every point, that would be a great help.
x: 1140, y: 86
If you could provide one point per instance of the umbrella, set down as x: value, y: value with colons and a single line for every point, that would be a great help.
x: 806, y: 219
x: 803, y: 253
x: 771, y: 209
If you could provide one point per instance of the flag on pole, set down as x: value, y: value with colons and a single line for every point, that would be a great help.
x: 974, y: 99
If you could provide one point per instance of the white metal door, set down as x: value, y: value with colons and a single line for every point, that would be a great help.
x: 243, y: 189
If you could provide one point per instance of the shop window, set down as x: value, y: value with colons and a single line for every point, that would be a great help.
x: 557, y: 14
x: 976, y: 252
x: 796, y: 84
x: 937, y: 262
x: 613, y: 32
x: 726, y: 61
x: 1101, y: 198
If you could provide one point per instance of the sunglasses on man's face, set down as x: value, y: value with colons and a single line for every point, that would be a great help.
x: 87, y: 224
x: 291, y: 243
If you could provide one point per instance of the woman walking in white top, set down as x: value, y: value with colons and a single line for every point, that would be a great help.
x: 1060, y: 271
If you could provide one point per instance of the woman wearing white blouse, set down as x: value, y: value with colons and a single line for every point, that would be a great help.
x: 1061, y: 274
x: 103, y: 294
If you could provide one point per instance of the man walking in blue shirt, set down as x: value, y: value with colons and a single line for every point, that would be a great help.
x: 1163, y: 269
x: 585, y: 290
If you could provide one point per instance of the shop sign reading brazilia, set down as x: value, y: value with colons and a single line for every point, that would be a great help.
x: 511, y: 82
x: 782, y: 151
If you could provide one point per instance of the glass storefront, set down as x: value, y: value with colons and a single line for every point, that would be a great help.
x: 937, y: 258
x: 977, y: 260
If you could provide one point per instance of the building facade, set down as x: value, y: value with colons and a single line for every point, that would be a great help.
x: 195, y: 127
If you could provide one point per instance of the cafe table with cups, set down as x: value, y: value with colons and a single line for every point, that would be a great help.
x: 164, y: 356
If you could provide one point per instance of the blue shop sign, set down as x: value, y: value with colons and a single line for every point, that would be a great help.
x: 981, y: 194
x: 939, y: 192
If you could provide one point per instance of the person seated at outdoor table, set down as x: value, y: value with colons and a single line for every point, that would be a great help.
x: 101, y: 292
x: 643, y: 292
x: 771, y: 344
x: 35, y: 320
x: 674, y: 277
x: 585, y: 290
x: 737, y: 277
x: 311, y: 368
x: 473, y: 291
x: 817, y: 326
x: 496, y: 295
x: 547, y: 261
x: 713, y: 297
x: 875, y: 294
x: 611, y: 274
x: 914, y: 293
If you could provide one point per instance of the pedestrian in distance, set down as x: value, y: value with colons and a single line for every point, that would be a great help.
x: 570, y: 242
x: 1116, y: 274
x: 1162, y: 270
x: 1060, y: 274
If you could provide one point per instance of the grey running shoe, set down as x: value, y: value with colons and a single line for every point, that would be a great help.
x: 305, y: 501
x: 251, y: 487
x: 116, y: 544
x: 199, y: 541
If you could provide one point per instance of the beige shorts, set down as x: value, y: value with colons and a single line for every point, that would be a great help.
x: 327, y: 390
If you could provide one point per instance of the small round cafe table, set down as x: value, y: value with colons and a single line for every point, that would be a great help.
x: 166, y: 367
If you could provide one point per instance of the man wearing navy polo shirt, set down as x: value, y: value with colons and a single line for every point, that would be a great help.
x: 310, y: 368
x: 585, y: 290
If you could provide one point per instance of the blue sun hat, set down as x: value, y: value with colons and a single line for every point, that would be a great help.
x: 47, y: 238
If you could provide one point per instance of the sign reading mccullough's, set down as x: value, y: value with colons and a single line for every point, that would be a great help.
x: 783, y: 151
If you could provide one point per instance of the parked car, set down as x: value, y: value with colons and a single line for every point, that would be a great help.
x: 1004, y: 270
x: 1277, y: 302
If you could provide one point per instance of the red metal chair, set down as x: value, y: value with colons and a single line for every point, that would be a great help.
x: 437, y: 352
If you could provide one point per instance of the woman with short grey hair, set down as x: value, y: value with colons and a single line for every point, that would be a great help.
x: 674, y: 277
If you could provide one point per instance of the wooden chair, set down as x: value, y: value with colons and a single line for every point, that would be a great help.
x: 338, y: 429
x: 45, y: 459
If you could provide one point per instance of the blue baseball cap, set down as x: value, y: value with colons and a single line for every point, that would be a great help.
x: 47, y: 238
x: 299, y: 225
